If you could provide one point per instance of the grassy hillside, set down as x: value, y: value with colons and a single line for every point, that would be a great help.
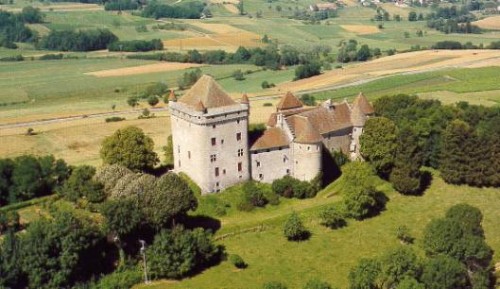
x: 330, y: 254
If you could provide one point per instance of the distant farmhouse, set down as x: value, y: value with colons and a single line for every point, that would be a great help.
x: 210, y: 136
x: 323, y: 7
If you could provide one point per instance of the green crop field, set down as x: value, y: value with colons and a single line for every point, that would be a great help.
x: 458, y: 81
x: 329, y: 254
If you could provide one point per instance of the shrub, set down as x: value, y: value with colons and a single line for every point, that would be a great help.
x: 153, y: 100
x: 317, y: 284
x: 447, y: 45
x: 114, y: 119
x: 274, y: 285
x: 30, y: 131
x: 177, y: 253
x: 332, y: 218
x: 289, y: 187
x: 237, y: 261
x: 252, y: 197
x: 136, y: 45
x: 294, y: 230
x: 267, y: 104
x: 238, y: 75
x: 51, y: 56
x: 120, y: 279
x: 403, y: 234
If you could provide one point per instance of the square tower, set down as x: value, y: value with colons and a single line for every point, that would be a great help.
x: 210, y: 136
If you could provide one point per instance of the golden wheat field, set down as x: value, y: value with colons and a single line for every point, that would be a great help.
x: 360, y: 29
x: 406, y: 62
x: 492, y: 23
x: 143, y: 69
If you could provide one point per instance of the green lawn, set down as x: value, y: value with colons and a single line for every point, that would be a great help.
x: 329, y: 255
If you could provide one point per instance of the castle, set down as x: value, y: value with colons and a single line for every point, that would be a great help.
x: 211, y: 143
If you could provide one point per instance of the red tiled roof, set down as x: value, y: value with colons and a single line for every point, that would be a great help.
x: 244, y: 99
x: 208, y: 92
x: 304, y: 130
x: 289, y: 101
x: 272, y: 138
x: 172, y: 96
x: 362, y: 102
x: 358, y: 118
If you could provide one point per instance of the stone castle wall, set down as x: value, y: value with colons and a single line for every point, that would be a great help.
x: 306, y: 160
x: 269, y: 165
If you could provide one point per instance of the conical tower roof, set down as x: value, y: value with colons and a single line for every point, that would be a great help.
x: 358, y: 118
x: 208, y: 92
x: 244, y: 99
x: 172, y: 96
x: 362, y: 102
x: 289, y: 101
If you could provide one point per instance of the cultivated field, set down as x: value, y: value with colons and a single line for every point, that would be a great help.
x: 361, y: 29
x: 420, y: 61
x: 143, y: 69
x: 492, y: 23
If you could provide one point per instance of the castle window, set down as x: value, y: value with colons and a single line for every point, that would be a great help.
x: 213, y: 126
x: 285, y: 159
x: 258, y: 164
x: 224, y: 171
x: 214, y: 141
x: 178, y: 149
x: 240, y: 167
x: 261, y: 176
x: 238, y: 121
x: 213, y: 158
x: 288, y: 171
x: 238, y: 136
x: 189, y: 154
x: 217, y: 184
x: 221, y: 141
x: 216, y: 172
x: 240, y: 152
x: 308, y: 148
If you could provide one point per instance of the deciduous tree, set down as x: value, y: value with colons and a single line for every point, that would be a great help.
x: 129, y: 147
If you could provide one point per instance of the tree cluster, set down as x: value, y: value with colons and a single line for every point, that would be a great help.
x: 457, y: 257
x: 82, y: 40
x: 156, y: 201
x: 53, y: 253
x: 307, y: 70
x: 136, y: 45
x: 269, y: 57
x: 349, y: 51
x: 119, y: 5
x: 13, y: 28
x: 27, y: 177
x: 452, y: 20
x: 461, y: 141
x: 185, y: 10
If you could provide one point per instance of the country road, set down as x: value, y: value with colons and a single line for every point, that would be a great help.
x: 134, y: 111
x: 319, y: 88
